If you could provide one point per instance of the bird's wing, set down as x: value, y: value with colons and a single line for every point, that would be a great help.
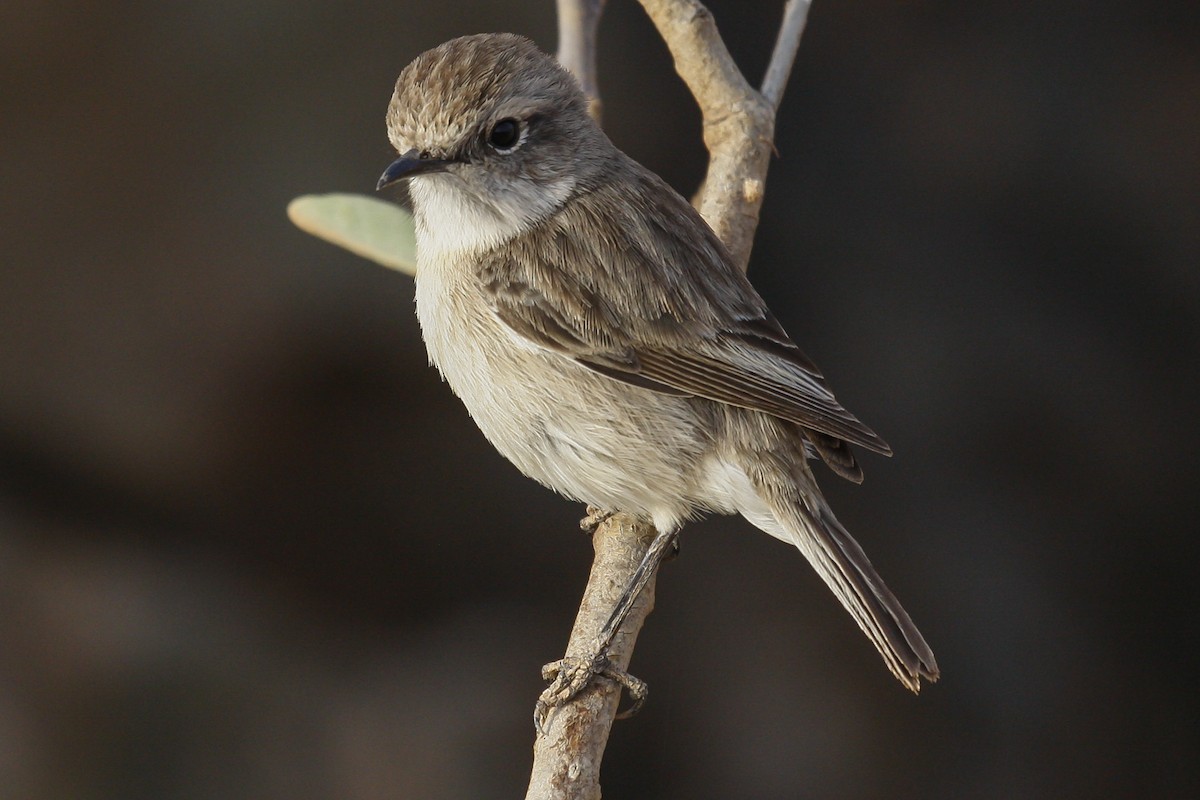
x: 648, y: 301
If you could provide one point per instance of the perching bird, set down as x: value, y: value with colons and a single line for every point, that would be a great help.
x: 598, y: 332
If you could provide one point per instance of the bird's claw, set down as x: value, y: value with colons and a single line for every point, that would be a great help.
x: 594, y: 519
x: 570, y: 676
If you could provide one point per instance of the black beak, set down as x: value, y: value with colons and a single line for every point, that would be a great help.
x: 409, y: 164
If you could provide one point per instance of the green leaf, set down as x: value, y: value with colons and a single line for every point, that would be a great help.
x: 374, y: 229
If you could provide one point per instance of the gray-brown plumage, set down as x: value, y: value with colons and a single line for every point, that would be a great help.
x: 598, y: 332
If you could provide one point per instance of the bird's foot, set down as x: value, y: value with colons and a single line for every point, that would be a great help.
x: 571, y: 675
x: 594, y: 519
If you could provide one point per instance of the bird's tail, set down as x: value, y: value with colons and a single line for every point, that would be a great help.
x: 805, y: 519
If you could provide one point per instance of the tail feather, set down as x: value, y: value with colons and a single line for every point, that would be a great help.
x: 847, y: 570
x: 800, y: 515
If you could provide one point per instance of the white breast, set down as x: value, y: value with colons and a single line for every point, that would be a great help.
x: 560, y: 423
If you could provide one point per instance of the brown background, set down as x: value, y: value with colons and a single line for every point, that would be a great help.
x: 250, y: 547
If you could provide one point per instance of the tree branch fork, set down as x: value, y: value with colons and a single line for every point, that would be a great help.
x: 738, y: 131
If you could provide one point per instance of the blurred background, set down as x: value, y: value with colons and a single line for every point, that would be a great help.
x: 251, y: 547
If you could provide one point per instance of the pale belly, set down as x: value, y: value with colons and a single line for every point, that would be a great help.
x: 587, y: 436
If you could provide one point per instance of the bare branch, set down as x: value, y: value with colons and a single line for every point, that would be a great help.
x: 566, y: 760
x: 739, y: 127
x: 795, y: 14
x: 577, y: 24
x: 739, y: 123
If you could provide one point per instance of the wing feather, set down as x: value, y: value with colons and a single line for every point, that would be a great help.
x: 661, y: 306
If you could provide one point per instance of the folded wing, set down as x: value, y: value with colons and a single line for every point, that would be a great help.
x: 660, y: 305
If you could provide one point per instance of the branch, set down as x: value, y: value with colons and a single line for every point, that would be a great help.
x: 795, y: 14
x: 567, y: 756
x: 566, y: 760
x: 738, y: 129
x: 739, y: 125
x: 577, y: 24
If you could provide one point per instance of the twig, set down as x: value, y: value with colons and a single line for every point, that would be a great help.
x: 577, y: 24
x: 795, y: 14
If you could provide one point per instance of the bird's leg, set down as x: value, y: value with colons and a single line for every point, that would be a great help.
x: 572, y: 674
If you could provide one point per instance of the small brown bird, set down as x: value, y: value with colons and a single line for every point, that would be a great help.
x: 598, y: 332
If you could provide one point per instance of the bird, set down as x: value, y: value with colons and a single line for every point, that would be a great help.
x: 599, y: 333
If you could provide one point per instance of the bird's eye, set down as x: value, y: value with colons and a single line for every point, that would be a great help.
x: 505, y: 135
